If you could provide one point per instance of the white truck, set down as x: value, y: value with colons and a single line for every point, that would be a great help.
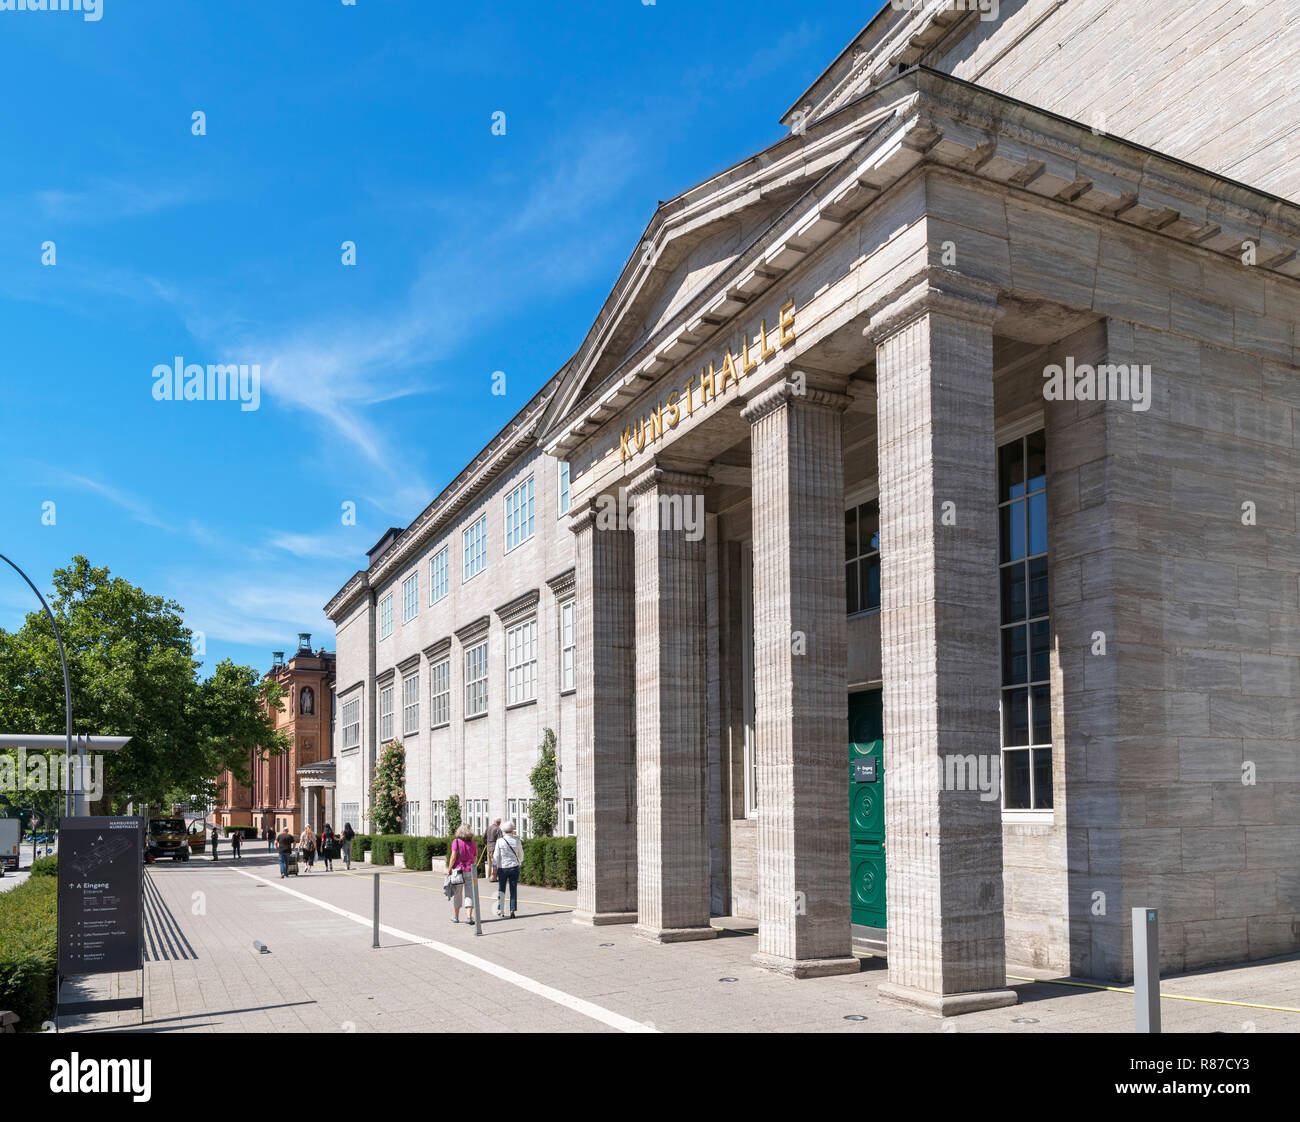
x: 11, y: 833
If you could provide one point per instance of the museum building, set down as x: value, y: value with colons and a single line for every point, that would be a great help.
x: 907, y: 559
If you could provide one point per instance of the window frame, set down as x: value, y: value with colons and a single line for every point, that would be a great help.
x: 386, y: 717
x: 564, y: 488
x: 474, y: 548
x: 523, y: 511
x: 440, y: 698
x: 473, y: 697
x: 410, y: 597
x: 521, y: 662
x: 386, y: 616
x: 569, y: 645
x: 436, y: 571
x: 411, y: 724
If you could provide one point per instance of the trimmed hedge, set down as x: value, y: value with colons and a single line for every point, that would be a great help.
x: 561, y: 863
x: 29, y: 950
x: 552, y: 862
x: 45, y: 866
x: 360, y: 843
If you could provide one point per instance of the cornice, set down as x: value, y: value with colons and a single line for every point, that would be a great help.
x: 435, y: 651
x: 408, y: 664
x: 563, y: 585
x: 519, y: 607
x: 787, y: 392
x: 936, y: 290
x: 666, y: 477
x: 473, y: 631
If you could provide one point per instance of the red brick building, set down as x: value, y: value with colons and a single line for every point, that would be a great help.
x: 296, y: 787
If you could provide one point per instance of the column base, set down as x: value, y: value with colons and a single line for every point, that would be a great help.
x: 603, y: 919
x: 807, y: 967
x: 674, y: 934
x: 945, y: 1004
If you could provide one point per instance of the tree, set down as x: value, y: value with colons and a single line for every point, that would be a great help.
x: 453, y: 813
x: 388, y: 796
x: 543, y: 808
x: 133, y: 674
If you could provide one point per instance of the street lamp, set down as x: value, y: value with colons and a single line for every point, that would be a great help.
x: 70, y: 805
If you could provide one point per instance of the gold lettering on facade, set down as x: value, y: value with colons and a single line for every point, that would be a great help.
x: 713, y: 381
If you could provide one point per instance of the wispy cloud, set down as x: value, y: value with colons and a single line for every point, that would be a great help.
x: 137, y: 508
x: 112, y: 200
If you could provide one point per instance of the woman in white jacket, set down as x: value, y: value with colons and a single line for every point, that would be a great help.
x: 507, y: 856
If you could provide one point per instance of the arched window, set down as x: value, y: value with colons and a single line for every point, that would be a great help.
x: 308, y: 700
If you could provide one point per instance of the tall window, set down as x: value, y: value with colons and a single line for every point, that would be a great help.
x: 351, y: 724
x: 570, y: 819
x: 862, y: 557
x: 350, y: 813
x: 476, y: 679
x: 386, y: 616
x: 521, y: 662
x: 517, y: 811
x: 410, y: 597
x: 438, y: 818
x: 411, y: 705
x: 519, y: 514
x: 411, y: 818
x: 564, y: 487
x: 438, y: 576
x: 386, y: 714
x: 568, y: 646
x: 475, y: 547
x: 440, y: 693
x: 1026, y: 627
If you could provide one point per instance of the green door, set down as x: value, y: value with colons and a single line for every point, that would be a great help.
x: 867, y: 808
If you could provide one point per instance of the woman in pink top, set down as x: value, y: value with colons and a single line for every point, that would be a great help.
x: 464, y: 854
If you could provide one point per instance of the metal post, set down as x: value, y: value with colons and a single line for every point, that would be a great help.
x: 376, y: 932
x: 478, y: 917
x: 1146, y: 969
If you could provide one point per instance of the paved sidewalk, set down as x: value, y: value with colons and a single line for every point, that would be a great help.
x: 546, y: 973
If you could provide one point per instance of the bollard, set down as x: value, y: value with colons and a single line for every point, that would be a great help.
x: 1146, y: 969
x: 375, y: 943
x: 478, y: 918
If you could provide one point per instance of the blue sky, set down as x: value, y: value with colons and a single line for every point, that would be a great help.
x: 327, y: 122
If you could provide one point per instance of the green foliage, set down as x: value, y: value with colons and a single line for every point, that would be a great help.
x: 418, y: 853
x: 533, y: 868
x: 360, y: 843
x: 453, y: 814
x: 133, y: 674
x: 388, y: 797
x: 561, y: 863
x: 28, y: 950
x: 46, y: 866
x: 543, y: 808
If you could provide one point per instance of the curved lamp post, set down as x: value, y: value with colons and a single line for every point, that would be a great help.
x: 70, y: 804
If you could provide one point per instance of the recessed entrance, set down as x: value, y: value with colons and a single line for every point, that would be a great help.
x: 867, y: 814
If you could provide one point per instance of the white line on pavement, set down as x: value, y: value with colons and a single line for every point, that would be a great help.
x: 568, y: 1000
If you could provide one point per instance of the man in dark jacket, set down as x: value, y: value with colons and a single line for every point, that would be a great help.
x: 284, y: 847
x: 216, y: 837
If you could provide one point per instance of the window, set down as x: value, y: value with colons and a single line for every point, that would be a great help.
x: 411, y: 705
x: 517, y: 812
x: 440, y: 693
x: 351, y: 814
x: 521, y: 663
x: 570, y: 819
x: 564, y: 487
x: 519, y: 514
x: 475, y: 542
x: 568, y: 647
x: 352, y: 724
x: 385, y: 714
x: 438, y: 818
x: 410, y: 597
x: 438, y: 576
x: 1026, y: 626
x: 476, y: 815
x: 307, y: 701
x: 476, y: 679
x: 862, y: 557
x: 411, y: 818
x: 386, y: 616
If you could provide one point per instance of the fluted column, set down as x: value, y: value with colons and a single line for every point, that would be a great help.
x: 671, y: 695
x: 939, y: 644
x: 800, y: 683
x: 606, y: 736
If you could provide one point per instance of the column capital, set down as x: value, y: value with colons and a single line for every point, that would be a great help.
x: 798, y: 388
x: 583, y: 516
x: 669, y: 476
x: 938, y: 291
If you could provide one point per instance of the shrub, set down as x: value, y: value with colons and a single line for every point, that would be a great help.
x: 29, y: 950
x: 418, y: 853
x: 388, y: 794
x: 562, y: 863
x: 453, y: 814
x: 46, y: 866
x: 533, y: 869
x: 360, y: 843
x: 383, y: 847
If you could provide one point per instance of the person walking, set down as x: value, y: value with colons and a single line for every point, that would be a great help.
x: 507, y: 857
x: 462, y: 859
x: 307, y: 843
x: 348, y: 835
x: 490, y: 836
x: 216, y: 837
x: 270, y: 839
x: 283, y: 848
x: 236, y: 842
x: 328, y: 847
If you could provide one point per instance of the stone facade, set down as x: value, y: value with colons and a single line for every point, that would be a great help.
x: 870, y: 310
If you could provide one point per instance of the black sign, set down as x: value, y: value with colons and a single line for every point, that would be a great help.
x: 864, y: 771
x: 101, y: 863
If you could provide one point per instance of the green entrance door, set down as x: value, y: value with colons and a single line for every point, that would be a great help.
x: 867, y: 808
